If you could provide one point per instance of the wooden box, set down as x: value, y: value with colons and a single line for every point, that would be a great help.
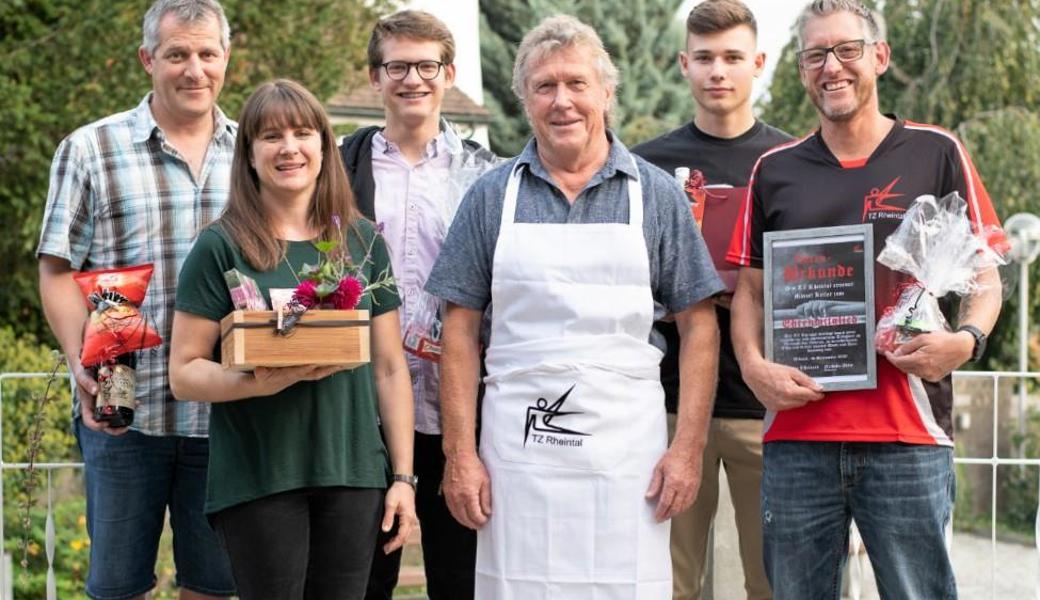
x: 321, y: 337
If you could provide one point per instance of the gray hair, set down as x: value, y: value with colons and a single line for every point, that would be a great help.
x: 873, y: 22
x: 552, y: 35
x: 187, y: 11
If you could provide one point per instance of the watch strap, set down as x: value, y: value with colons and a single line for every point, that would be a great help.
x: 980, y: 341
x: 412, y: 480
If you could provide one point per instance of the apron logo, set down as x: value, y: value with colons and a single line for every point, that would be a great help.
x: 540, y: 417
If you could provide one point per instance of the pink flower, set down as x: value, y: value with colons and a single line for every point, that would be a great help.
x: 307, y: 293
x: 347, y: 294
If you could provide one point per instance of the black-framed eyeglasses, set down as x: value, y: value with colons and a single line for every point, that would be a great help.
x: 814, y: 58
x: 426, y: 69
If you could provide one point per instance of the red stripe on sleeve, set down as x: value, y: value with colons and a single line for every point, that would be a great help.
x: 739, y: 251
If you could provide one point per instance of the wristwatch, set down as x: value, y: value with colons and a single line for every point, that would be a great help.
x: 412, y: 480
x: 980, y: 341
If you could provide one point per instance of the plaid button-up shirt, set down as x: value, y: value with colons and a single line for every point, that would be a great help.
x: 121, y: 195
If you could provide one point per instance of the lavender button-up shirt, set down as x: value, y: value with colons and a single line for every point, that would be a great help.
x: 411, y: 203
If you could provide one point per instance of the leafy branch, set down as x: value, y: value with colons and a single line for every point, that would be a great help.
x: 30, y: 483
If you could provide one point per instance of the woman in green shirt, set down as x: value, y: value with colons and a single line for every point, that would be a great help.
x: 298, y: 471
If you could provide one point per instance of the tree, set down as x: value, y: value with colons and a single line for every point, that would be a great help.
x: 971, y: 67
x: 1012, y: 180
x: 65, y: 63
x: 502, y: 26
x: 951, y: 59
x: 642, y: 37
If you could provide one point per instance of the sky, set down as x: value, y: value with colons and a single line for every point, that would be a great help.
x: 775, y: 18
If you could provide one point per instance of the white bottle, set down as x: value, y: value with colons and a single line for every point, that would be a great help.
x: 681, y: 175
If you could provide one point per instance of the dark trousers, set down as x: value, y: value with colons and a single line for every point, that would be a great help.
x: 312, y: 543
x: 449, y: 549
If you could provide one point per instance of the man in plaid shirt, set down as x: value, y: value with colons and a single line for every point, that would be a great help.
x: 134, y: 188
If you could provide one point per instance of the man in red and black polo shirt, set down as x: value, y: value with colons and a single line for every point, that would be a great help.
x: 883, y: 457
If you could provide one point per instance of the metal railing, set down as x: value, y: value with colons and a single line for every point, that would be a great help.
x: 6, y: 572
x: 994, y: 461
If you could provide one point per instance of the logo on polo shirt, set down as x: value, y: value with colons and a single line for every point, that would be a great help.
x: 876, y: 205
x: 540, y: 419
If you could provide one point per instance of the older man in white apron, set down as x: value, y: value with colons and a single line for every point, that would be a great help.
x: 577, y: 245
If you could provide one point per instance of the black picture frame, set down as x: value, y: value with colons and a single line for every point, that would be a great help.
x: 819, y: 304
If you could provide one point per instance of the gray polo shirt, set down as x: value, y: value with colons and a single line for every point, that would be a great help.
x: 681, y: 271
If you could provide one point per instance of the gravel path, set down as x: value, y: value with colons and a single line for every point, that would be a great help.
x: 1016, y: 575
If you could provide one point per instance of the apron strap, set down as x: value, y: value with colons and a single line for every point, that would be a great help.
x: 635, y: 198
x: 512, y: 190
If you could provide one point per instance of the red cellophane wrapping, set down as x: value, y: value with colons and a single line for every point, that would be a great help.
x: 115, y: 326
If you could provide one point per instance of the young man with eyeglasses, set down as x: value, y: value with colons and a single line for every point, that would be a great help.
x: 883, y: 457
x: 719, y: 146
x: 409, y: 177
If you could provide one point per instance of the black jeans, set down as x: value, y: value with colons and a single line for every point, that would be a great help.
x: 449, y: 549
x: 312, y: 543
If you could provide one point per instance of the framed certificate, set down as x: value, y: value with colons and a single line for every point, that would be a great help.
x: 819, y: 304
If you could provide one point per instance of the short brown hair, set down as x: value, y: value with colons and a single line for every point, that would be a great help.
x: 713, y: 16
x: 411, y: 24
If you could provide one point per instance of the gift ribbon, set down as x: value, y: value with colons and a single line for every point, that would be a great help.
x: 272, y: 322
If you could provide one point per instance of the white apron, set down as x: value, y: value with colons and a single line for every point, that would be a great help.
x: 573, y: 415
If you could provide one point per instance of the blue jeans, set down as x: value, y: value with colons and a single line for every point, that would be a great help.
x: 901, y: 497
x: 130, y: 481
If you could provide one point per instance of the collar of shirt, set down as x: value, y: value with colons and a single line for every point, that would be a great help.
x: 618, y: 159
x: 144, y: 124
x: 383, y: 146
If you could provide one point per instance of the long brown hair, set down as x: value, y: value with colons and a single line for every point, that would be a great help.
x: 277, y: 104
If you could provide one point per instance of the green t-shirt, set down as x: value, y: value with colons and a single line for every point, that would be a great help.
x: 311, y: 434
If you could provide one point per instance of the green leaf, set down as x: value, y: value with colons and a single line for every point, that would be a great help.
x: 326, y: 246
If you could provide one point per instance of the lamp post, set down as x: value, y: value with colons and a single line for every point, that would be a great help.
x: 1023, y: 230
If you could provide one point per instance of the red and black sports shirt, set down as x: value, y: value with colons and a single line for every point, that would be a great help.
x: 802, y: 184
